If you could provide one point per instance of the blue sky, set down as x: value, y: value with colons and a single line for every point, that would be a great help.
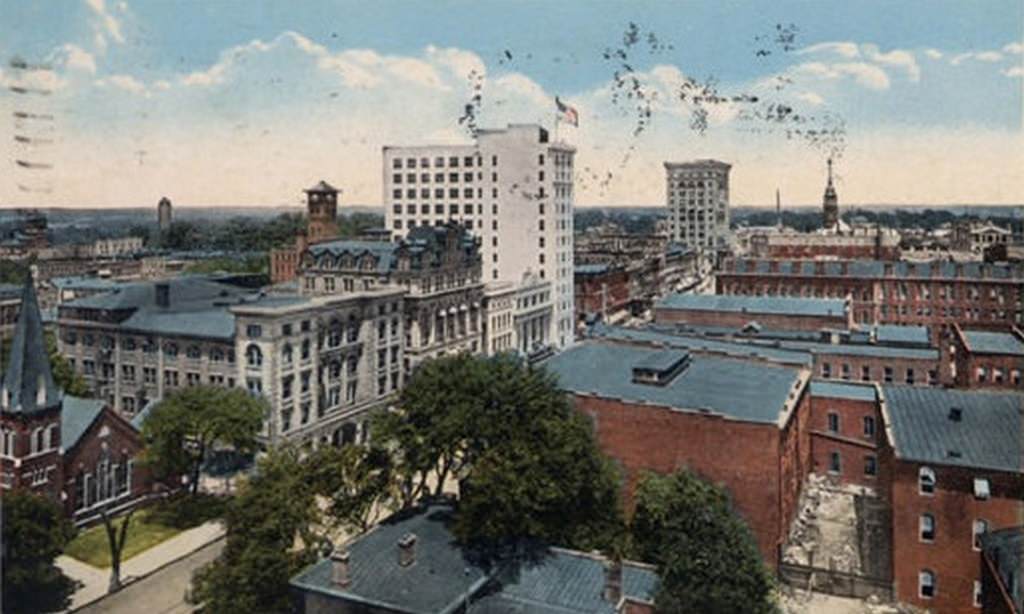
x: 230, y: 102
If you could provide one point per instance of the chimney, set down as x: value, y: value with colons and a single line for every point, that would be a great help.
x: 407, y: 550
x: 613, y: 581
x: 163, y: 294
x: 340, y: 569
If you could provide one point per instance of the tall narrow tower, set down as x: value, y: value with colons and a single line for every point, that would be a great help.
x: 322, y: 212
x: 778, y: 209
x: 830, y: 203
x: 163, y: 214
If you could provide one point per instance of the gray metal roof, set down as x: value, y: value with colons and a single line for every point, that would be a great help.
x: 77, y: 415
x: 1005, y: 547
x: 987, y: 436
x: 590, y: 269
x: 842, y: 390
x: 744, y: 390
x: 28, y: 385
x: 991, y: 342
x: 382, y: 250
x: 774, y: 305
x: 443, y: 573
x: 855, y: 349
x: 665, y: 338
x: 900, y: 334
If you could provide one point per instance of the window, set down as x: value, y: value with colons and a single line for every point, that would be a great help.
x: 926, y: 526
x: 194, y: 352
x: 254, y: 356
x: 286, y: 354
x: 910, y: 376
x: 888, y: 375
x: 305, y: 349
x: 286, y: 387
x: 926, y: 584
x: 981, y: 488
x: 835, y: 463
x: 979, y: 529
x: 833, y: 422
x: 926, y: 481
x: 870, y: 465
x: 254, y: 331
x: 826, y: 370
x: 977, y: 593
x: 869, y: 426
x: 170, y: 350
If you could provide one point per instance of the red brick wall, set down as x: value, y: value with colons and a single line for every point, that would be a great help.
x: 49, y: 462
x: 846, y: 252
x: 795, y: 461
x: 877, y: 367
x: 950, y: 556
x: 849, y: 442
x: 741, y: 456
x: 666, y: 315
x: 590, y: 297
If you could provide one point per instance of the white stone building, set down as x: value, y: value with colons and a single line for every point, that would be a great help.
x: 697, y: 195
x: 513, y: 188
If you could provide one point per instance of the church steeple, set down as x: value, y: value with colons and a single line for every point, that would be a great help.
x: 28, y: 385
x: 830, y: 202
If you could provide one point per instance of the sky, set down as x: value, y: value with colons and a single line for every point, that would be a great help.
x: 225, y: 102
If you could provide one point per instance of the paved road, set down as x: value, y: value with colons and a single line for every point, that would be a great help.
x: 160, y: 593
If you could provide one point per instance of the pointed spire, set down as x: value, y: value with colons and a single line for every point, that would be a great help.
x: 28, y: 384
x: 830, y: 172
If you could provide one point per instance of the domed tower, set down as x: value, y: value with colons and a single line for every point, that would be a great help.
x: 830, y: 203
x: 30, y: 407
x: 322, y: 212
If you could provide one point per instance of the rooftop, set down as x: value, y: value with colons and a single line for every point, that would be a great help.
x: 879, y: 268
x: 897, y: 334
x: 842, y: 390
x: 985, y: 433
x: 322, y: 186
x: 77, y: 415
x: 28, y: 385
x: 738, y: 389
x: 443, y: 573
x: 991, y: 342
x: 667, y: 338
x: 766, y: 305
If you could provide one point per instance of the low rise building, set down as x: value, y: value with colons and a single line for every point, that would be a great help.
x: 411, y: 563
x: 987, y: 359
x: 785, y: 313
x: 499, y: 325
x: 956, y: 466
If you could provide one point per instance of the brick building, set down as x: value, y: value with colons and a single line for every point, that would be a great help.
x: 412, y: 563
x: 321, y: 225
x: 602, y: 290
x: 957, y: 472
x: 845, y: 430
x: 76, y: 451
x: 987, y: 359
x: 779, y: 313
x: 730, y: 421
x: 934, y: 294
x: 857, y: 244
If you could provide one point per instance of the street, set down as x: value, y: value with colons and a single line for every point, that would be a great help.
x: 162, y: 592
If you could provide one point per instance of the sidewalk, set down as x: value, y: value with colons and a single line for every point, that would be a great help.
x: 96, y: 580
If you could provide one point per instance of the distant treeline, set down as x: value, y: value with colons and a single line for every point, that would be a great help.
x: 927, y: 219
x: 246, y: 234
x: 639, y: 222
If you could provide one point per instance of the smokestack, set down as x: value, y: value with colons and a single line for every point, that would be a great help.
x: 340, y: 575
x: 163, y: 294
x: 407, y: 550
x: 613, y: 581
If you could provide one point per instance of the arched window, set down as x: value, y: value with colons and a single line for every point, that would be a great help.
x: 286, y: 354
x: 216, y: 355
x: 926, y: 481
x: 926, y: 583
x: 927, y: 527
x: 980, y: 528
x: 254, y: 356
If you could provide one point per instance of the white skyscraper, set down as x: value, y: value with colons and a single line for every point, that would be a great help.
x: 697, y: 194
x: 513, y: 188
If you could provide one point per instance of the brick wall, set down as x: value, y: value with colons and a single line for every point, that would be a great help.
x: 950, y: 556
x: 666, y: 315
x: 743, y: 457
x: 849, y: 442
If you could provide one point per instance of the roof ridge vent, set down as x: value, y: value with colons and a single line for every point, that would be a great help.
x: 956, y: 414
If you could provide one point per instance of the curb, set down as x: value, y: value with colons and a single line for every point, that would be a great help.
x: 133, y: 579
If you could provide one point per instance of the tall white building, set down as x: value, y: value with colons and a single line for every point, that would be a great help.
x: 513, y: 188
x: 697, y: 194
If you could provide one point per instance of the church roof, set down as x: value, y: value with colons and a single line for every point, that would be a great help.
x: 28, y: 385
x: 322, y: 186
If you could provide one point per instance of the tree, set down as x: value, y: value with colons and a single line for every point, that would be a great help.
x: 63, y: 375
x: 358, y: 480
x: 35, y: 532
x: 707, y: 557
x: 181, y: 429
x: 272, y: 513
x: 528, y: 463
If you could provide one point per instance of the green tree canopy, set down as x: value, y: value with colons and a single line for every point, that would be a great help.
x: 357, y: 480
x: 183, y: 427
x: 35, y: 532
x: 707, y: 557
x: 270, y: 536
x: 528, y: 463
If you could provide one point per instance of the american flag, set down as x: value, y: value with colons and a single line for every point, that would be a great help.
x: 567, y: 113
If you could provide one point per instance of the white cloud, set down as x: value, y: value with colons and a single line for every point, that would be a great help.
x: 989, y: 56
x: 811, y: 98
x: 844, y: 49
x: 899, y: 58
x: 934, y: 54
x: 1016, y: 71
x: 72, y: 57
x: 124, y: 82
x: 162, y: 84
x: 104, y: 24
x: 867, y: 75
x: 1014, y: 48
